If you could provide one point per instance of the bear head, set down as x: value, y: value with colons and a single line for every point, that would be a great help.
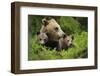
x: 52, y: 29
x: 68, y: 40
x: 42, y: 37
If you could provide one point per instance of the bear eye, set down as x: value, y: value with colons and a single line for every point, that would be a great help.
x: 56, y: 28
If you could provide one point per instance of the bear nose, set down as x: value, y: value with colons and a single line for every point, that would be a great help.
x: 71, y: 45
x: 64, y: 35
x: 59, y: 37
x: 45, y: 40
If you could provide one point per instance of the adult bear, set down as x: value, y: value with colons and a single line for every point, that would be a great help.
x: 52, y: 29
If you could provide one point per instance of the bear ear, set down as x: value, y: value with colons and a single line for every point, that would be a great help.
x: 64, y: 36
x: 48, y: 18
x: 45, y: 23
x: 72, y: 37
x: 38, y: 33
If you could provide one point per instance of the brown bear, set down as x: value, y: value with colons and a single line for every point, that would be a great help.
x: 52, y: 29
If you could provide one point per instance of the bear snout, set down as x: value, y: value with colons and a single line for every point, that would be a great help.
x: 61, y: 34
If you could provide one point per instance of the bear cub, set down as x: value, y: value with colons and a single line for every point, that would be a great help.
x: 44, y: 40
x: 65, y: 42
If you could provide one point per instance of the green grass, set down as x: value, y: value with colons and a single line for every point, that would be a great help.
x: 39, y: 52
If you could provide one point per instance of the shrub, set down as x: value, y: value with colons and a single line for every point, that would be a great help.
x: 69, y: 25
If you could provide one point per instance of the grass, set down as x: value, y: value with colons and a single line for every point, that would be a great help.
x: 39, y: 52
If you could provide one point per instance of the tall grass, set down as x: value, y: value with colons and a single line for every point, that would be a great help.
x: 79, y: 50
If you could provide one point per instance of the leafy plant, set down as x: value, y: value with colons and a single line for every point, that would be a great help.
x: 69, y: 25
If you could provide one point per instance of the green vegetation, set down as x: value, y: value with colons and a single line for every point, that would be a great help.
x: 77, y: 26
